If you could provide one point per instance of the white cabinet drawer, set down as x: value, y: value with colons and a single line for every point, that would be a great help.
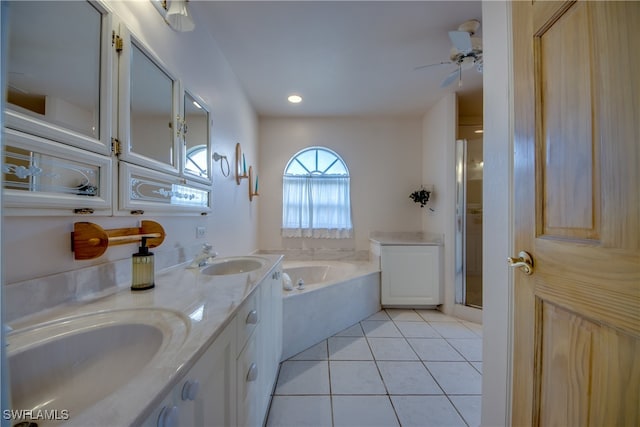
x: 247, y: 319
x: 248, y: 383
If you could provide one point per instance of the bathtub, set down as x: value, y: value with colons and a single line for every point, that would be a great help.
x: 336, y: 295
x: 318, y: 274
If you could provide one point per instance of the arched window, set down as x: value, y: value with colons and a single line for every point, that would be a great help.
x: 316, y: 198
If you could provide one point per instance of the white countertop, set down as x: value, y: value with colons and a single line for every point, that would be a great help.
x: 403, y: 238
x: 206, y: 304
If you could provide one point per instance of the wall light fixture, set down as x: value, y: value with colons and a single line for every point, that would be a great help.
x: 175, y: 13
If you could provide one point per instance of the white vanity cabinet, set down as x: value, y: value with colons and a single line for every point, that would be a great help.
x: 248, y: 328
x: 231, y: 383
x: 259, y: 360
x: 270, y: 336
x: 206, y: 394
x: 410, y: 275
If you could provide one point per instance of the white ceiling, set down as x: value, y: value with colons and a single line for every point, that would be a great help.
x: 342, y: 57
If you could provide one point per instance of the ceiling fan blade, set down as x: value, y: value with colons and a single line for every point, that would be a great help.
x: 451, y: 78
x: 461, y: 40
x: 433, y: 65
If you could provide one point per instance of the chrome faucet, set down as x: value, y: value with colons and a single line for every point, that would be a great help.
x: 203, y: 257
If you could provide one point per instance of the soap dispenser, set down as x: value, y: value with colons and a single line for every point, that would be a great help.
x: 142, y: 270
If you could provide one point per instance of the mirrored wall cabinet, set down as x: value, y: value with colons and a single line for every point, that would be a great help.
x: 57, y: 142
x: 95, y: 122
x: 165, y: 150
x: 59, y: 61
x: 150, y: 126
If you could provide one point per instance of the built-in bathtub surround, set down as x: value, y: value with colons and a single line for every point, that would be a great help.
x: 338, y: 292
x: 320, y: 254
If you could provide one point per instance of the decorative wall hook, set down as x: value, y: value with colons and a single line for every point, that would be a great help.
x: 241, y: 165
x: 253, y: 188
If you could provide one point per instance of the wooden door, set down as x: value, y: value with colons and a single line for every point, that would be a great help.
x: 576, y: 337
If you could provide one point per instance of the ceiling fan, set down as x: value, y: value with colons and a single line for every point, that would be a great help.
x: 466, y: 52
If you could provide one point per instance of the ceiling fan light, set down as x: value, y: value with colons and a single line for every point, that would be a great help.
x: 467, y: 62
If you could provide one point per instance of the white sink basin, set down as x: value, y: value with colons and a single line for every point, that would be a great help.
x: 234, y: 265
x: 74, y: 362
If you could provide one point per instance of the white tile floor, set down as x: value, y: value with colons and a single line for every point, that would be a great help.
x: 396, y: 368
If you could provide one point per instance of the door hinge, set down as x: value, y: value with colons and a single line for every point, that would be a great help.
x: 116, y: 147
x: 116, y: 41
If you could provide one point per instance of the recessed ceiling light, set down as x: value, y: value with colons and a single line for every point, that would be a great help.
x: 295, y: 99
x: 198, y: 106
x: 478, y: 131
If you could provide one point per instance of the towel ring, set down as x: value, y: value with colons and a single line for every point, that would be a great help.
x: 217, y: 157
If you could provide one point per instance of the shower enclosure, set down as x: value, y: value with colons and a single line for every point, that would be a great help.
x: 469, y: 166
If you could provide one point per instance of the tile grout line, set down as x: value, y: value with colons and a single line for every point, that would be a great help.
x: 333, y: 421
x: 375, y: 361
x: 464, y: 420
x: 431, y: 374
x: 378, y: 370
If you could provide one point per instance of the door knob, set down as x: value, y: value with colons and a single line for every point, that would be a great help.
x: 524, y: 262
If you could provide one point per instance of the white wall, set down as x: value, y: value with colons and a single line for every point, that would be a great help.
x: 498, y: 219
x: 383, y: 157
x: 4, y: 385
x: 39, y: 246
x: 439, y: 128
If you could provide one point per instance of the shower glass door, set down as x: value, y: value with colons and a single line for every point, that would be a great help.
x: 469, y: 168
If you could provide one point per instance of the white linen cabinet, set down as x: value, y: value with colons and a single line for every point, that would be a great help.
x: 410, y: 275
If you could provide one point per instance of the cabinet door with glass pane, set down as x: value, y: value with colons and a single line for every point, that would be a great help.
x: 149, y: 124
x: 195, y: 137
x: 59, y: 81
x: 43, y: 177
x: 147, y: 191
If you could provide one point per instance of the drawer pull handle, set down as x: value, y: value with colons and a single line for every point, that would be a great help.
x: 252, y: 375
x: 252, y: 317
x: 190, y: 390
x: 168, y: 417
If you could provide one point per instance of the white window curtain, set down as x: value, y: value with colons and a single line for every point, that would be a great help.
x: 316, y: 206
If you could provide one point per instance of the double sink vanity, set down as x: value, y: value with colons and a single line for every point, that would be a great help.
x: 201, y: 348
x: 105, y: 128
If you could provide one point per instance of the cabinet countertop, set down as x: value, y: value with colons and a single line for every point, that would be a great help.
x: 206, y: 304
x: 403, y: 238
